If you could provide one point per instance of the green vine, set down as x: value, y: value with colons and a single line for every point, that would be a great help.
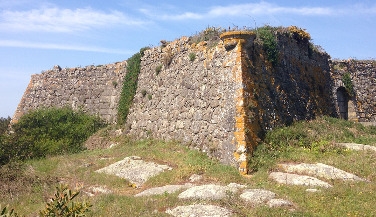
x: 129, y: 86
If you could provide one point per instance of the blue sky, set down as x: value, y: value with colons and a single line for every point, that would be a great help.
x: 35, y: 35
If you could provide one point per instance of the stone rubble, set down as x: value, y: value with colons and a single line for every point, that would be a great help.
x: 358, y: 147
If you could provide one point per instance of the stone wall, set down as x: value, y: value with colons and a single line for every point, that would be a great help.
x: 188, y: 100
x: 95, y: 89
x: 361, y: 105
x: 230, y: 95
x: 219, y: 99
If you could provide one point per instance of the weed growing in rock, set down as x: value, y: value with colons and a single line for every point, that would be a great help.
x: 158, y: 69
x: 192, y: 57
x: 347, y: 82
x: 210, y: 35
x: 143, y: 92
x: 269, y: 43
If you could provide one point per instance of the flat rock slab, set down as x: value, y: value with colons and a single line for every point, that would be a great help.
x: 210, y: 191
x: 134, y: 169
x: 295, y: 179
x: 257, y: 196
x: 164, y: 189
x: 320, y: 170
x: 199, y: 210
x: 358, y: 147
x: 275, y: 203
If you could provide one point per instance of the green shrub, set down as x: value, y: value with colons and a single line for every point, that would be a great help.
x: 49, y: 131
x: 62, y: 204
x: 347, y: 82
x: 269, y: 42
x: 129, y: 87
x: 158, y: 69
x: 4, y: 123
x: 192, y: 57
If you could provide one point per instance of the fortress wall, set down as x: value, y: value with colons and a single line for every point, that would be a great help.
x: 298, y: 87
x: 95, y: 89
x: 363, y: 76
x: 218, y: 99
x: 190, y: 101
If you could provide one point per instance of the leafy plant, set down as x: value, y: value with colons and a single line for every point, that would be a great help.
x: 269, y: 43
x: 49, y: 131
x: 192, y: 57
x: 149, y: 96
x: 4, y: 123
x: 7, y: 213
x: 347, y: 82
x: 62, y: 204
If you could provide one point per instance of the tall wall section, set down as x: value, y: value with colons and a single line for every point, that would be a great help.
x: 224, y: 100
x: 191, y: 100
x: 95, y: 89
x: 361, y: 104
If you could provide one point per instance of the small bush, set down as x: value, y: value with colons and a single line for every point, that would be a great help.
x: 149, y: 96
x: 299, y: 34
x: 158, y: 69
x: 192, y: 57
x: 347, y: 82
x: 62, y: 204
x: 143, y: 92
x: 4, y: 123
x: 269, y: 42
x: 49, y: 131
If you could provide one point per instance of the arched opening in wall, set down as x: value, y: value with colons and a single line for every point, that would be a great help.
x: 342, y: 103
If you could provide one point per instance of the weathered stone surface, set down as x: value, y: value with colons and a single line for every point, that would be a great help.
x: 210, y: 191
x: 169, y: 189
x: 134, y: 170
x: 95, y: 89
x: 280, y: 203
x: 358, y: 147
x: 257, y: 196
x: 199, y: 210
x: 295, y: 179
x: 360, y: 105
x: 320, y: 170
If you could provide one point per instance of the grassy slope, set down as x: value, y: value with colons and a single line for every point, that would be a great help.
x: 303, y: 142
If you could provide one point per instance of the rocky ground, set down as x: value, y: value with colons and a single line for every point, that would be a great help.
x: 138, y: 171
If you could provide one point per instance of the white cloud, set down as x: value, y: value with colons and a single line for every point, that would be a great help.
x: 62, y: 20
x: 26, y: 44
x: 263, y: 8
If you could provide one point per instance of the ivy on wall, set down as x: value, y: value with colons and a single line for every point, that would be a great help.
x: 129, y: 85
